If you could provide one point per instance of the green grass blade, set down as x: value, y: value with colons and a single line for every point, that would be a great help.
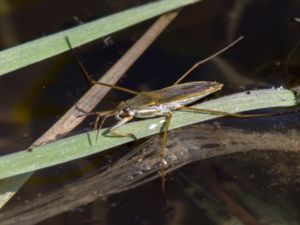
x: 9, y: 187
x: 37, y: 50
x: 84, y: 144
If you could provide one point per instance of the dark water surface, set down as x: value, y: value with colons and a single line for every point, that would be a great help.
x: 251, y: 188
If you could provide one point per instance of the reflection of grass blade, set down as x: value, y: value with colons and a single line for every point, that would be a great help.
x: 84, y: 144
x: 43, y: 48
x: 141, y: 165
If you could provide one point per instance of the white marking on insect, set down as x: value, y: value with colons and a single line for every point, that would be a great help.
x: 162, y: 121
x: 152, y: 126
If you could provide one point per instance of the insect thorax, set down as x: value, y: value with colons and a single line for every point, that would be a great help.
x: 155, y: 110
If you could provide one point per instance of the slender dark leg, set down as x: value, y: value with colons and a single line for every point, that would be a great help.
x: 206, y: 60
x: 98, y: 125
x: 162, y: 150
x: 90, y: 80
x: 115, y: 133
x: 100, y: 115
x: 216, y: 112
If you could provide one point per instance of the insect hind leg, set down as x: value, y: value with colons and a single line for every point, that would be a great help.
x: 216, y: 112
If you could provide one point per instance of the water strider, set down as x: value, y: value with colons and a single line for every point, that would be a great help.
x: 161, y: 102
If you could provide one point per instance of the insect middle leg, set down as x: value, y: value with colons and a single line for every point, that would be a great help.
x: 163, y: 150
x: 90, y: 80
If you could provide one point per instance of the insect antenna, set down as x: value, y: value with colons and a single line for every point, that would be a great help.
x: 207, y: 59
x: 91, y: 81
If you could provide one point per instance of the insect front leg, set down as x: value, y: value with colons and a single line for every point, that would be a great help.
x: 115, y: 133
x: 100, y: 119
x: 98, y: 124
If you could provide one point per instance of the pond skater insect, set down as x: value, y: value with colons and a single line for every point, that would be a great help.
x: 163, y: 102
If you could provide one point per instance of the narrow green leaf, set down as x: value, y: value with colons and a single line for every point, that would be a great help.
x: 10, y: 186
x: 85, y: 144
x: 37, y: 50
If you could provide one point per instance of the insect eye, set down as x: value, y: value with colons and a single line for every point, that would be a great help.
x: 126, y: 110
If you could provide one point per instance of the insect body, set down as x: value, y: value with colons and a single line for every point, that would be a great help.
x: 164, y: 101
